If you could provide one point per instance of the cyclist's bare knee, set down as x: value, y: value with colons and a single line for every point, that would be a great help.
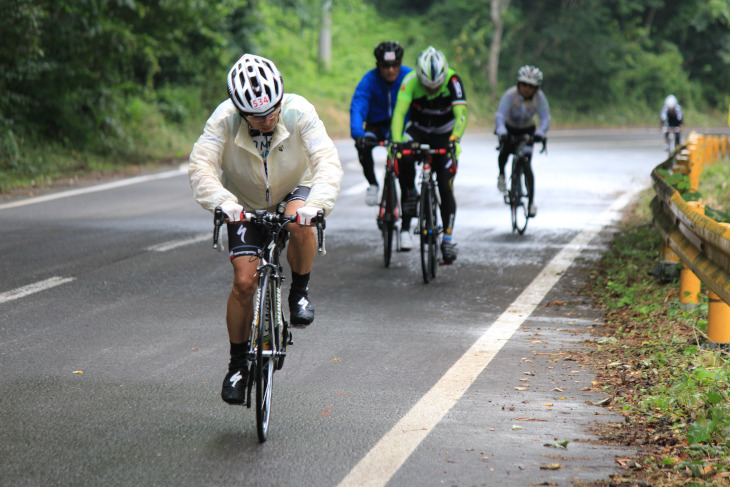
x: 245, y: 278
x: 301, y: 235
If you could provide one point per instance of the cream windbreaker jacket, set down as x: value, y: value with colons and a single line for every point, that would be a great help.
x: 225, y: 164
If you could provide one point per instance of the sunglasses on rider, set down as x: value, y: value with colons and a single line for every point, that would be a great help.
x: 267, y: 117
x: 394, y: 65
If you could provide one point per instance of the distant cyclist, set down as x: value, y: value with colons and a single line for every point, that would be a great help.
x: 372, y: 106
x: 260, y: 148
x: 671, y: 116
x: 437, y: 102
x: 516, y: 116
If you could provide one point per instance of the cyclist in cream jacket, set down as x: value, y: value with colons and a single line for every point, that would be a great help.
x: 259, y: 148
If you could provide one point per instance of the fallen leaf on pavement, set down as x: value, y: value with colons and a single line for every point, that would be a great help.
x: 558, y: 444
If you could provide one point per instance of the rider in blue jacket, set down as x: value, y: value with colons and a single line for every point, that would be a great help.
x: 372, y: 106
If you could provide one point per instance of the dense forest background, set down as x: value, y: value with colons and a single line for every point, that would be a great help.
x: 90, y: 84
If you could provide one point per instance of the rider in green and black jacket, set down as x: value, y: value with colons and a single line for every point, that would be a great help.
x: 435, y: 96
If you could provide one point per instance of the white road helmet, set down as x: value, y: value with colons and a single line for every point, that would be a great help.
x: 529, y: 75
x: 431, y: 68
x: 255, y: 85
x: 671, y: 102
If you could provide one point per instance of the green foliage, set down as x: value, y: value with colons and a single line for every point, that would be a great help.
x: 714, y: 188
x: 95, y: 76
x: 75, y: 64
x: 680, y: 182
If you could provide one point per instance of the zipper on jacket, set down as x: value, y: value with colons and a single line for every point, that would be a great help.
x: 265, y: 171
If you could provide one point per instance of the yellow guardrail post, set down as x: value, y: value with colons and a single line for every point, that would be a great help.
x: 689, y: 283
x: 718, y: 320
x: 695, y: 165
x: 689, y: 286
x: 718, y: 315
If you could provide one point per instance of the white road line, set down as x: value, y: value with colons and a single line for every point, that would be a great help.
x: 34, y: 288
x: 393, y: 449
x: 93, y: 189
x: 164, y: 247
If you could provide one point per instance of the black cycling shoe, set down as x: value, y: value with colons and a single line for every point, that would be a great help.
x: 234, y: 386
x: 448, y: 252
x: 301, y: 309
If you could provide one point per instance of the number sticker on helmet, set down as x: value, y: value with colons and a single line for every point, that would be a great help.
x: 260, y: 101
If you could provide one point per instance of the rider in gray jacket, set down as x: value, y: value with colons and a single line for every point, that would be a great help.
x: 516, y: 116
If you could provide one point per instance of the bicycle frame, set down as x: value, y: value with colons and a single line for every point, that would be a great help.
x: 429, y: 228
x: 516, y: 195
x: 389, y: 212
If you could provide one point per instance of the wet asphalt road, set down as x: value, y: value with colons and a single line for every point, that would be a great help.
x: 141, y: 315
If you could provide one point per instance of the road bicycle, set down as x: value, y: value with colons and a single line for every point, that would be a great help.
x: 671, y: 136
x: 516, y: 195
x: 389, y: 214
x: 429, y: 227
x: 270, y: 332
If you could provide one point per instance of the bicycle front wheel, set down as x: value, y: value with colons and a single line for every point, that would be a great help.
x: 265, y: 349
x: 428, y: 233
x: 387, y: 208
x: 519, y: 206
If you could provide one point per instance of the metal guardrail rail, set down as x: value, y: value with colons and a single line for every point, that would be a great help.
x: 701, y: 243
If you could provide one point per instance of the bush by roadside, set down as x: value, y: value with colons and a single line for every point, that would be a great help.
x: 655, y: 364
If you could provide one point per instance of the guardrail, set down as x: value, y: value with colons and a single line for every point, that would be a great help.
x: 699, y: 242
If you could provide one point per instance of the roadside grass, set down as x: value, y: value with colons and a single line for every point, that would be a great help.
x: 657, y: 367
x: 714, y: 187
x: 148, y: 142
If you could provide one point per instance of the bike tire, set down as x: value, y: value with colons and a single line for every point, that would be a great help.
x: 427, y: 231
x: 388, y: 206
x: 434, y: 240
x: 265, y: 365
x: 519, y: 205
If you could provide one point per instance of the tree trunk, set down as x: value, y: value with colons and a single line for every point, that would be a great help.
x: 325, y: 38
x: 498, y: 8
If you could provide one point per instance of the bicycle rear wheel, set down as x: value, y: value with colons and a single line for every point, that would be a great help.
x: 387, y: 210
x: 519, y: 205
x: 265, y: 344
x: 428, y: 233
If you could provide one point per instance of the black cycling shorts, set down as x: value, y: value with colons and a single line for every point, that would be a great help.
x: 247, y: 238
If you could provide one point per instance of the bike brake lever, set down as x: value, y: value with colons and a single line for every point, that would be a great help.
x: 218, y: 220
x: 320, y: 232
